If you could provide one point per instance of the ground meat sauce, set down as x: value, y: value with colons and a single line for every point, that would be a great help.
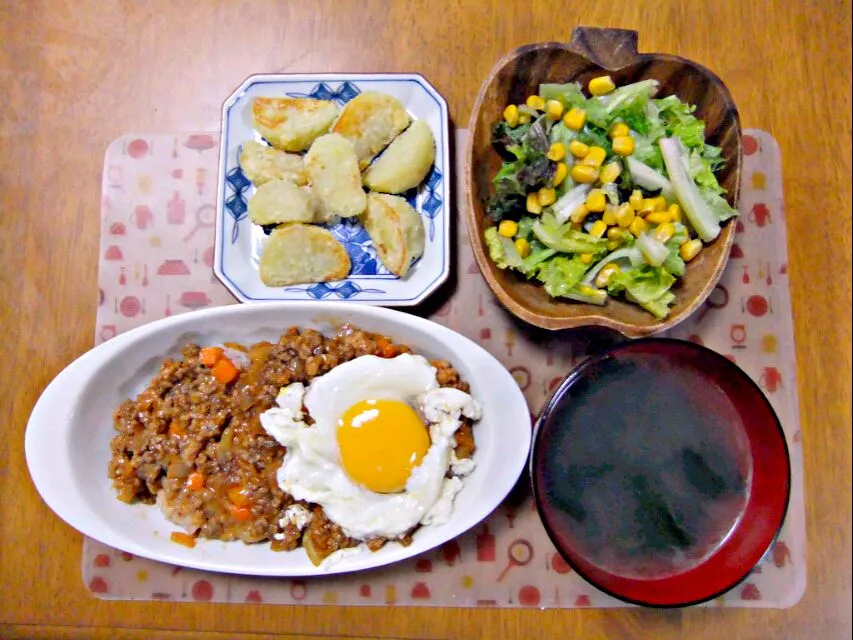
x: 196, y: 446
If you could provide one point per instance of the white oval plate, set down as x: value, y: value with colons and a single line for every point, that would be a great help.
x: 68, y: 435
x: 239, y: 243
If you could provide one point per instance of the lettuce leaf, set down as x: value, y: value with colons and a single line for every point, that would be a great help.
x: 718, y: 205
x: 501, y: 250
x: 564, y: 239
x: 644, y: 283
x: 629, y: 96
x: 647, y: 151
x: 674, y: 263
x: 533, y: 263
x: 561, y: 133
x: 594, y: 136
x: 659, y: 307
x: 597, y: 114
x: 525, y: 227
x: 680, y: 122
x: 561, y: 275
x: 569, y: 94
x: 702, y: 171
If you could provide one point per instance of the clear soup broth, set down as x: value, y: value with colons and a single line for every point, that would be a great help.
x: 651, y: 468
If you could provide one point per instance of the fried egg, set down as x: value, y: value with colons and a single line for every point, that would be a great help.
x: 380, y: 448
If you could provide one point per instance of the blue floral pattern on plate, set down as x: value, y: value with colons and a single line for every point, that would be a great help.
x: 344, y: 93
x: 239, y: 242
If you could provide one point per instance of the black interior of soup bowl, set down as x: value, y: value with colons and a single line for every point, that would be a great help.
x: 661, y: 472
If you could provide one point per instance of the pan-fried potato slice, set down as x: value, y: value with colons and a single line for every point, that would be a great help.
x: 261, y: 164
x: 396, y: 230
x: 333, y: 171
x: 281, y: 201
x: 405, y: 162
x: 292, y: 124
x: 371, y: 121
x: 313, y: 554
x: 301, y: 253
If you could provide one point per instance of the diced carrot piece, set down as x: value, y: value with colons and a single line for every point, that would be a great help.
x: 241, y: 513
x: 183, y: 538
x: 224, y: 370
x: 195, y: 481
x: 209, y: 356
x: 386, y: 348
x: 239, y: 496
x: 177, y: 429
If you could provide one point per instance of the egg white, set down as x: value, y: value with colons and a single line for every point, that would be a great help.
x: 312, y: 470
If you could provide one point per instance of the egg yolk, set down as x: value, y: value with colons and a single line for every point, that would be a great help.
x: 381, y: 441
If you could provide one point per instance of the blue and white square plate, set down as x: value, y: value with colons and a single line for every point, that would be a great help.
x: 239, y: 242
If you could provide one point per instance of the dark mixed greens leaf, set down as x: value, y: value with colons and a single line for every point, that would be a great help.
x: 504, y: 137
x: 531, y: 170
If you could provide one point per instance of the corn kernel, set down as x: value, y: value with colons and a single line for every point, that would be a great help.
x: 511, y: 115
x: 619, y: 129
x: 607, y: 272
x: 664, y: 232
x: 557, y: 152
x: 535, y: 102
x: 610, y: 172
x: 523, y: 118
x: 601, y: 86
x: 508, y: 228
x: 554, y: 109
x: 578, y: 149
x: 595, y: 157
x: 575, y: 118
x: 523, y: 247
x: 623, y: 145
x: 659, y: 203
x: 647, y: 205
x: 596, y: 201
x: 675, y: 212
x: 586, y: 290
x: 615, y: 233
x: 579, y: 214
x: 690, y: 249
x: 609, y: 215
x: 624, y: 215
x: 658, y: 217
x: 636, y: 199
x: 560, y: 173
x: 547, y: 196
x: 598, y: 228
x: 584, y: 174
x: 638, y: 226
x: 586, y: 258
x: 533, y: 205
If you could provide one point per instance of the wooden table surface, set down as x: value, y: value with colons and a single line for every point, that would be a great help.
x: 76, y: 75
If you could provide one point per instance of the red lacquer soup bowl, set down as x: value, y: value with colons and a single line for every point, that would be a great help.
x: 661, y: 472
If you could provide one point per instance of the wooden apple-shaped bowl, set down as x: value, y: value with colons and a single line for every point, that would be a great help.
x: 593, y: 52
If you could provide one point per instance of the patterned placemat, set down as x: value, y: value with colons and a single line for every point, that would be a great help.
x: 156, y: 256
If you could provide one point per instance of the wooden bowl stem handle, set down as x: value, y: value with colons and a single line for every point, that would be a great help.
x: 608, y: 48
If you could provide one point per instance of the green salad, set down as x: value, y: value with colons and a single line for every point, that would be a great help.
x: 609, y: 194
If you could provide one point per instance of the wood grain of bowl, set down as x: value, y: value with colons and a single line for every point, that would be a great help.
x: 593, y: 52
